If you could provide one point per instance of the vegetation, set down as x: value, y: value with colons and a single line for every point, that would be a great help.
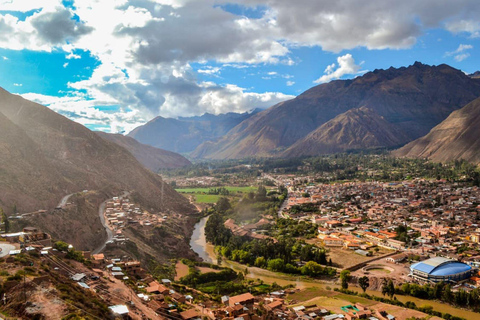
x: 344, y: 278
x: 6, y: 223
x: 364, y: 283
x: 283, y: 253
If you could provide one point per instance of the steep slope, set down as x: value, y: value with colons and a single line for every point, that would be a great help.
x: 183, y: 135
x: 152, y: 158
x: 458, y: 137
x: 51, y: 156
x: 415, y: 99
x: 359, y: 128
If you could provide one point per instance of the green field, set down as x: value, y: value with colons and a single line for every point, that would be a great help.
x: 201, y: 194
x: 206, y: 198
x: 205, y: 190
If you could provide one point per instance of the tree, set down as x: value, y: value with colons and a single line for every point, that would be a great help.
x: 391, y: 288
x: 6, y: 223
x: 312, y: 269
x: 261, y: 193
x: 364, y: 283
x: 344, y: 278
x: 223, y: 204
x: 384, y: 286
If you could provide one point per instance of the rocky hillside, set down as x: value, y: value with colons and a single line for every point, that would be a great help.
x: 458, y: 137
x: 183, y: 135
x: 359, y: 128
x: 45, y: 156
x: 152, y: 158
x: 414, y: 98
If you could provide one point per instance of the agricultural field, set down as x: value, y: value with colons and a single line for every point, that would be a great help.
x: 211, y: 195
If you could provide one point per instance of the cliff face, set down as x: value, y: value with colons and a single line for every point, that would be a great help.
x: 414, y: 99
x: 458, y: 137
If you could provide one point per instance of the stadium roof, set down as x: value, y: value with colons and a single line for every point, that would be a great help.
x: 440, y: 266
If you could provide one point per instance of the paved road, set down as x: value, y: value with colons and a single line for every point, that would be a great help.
x: 101, y: 210
x: 64, y: 200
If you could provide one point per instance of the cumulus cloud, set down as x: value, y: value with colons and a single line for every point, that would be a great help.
x: 346, y: 66
x: 145, y: 48
x: 290, y: 83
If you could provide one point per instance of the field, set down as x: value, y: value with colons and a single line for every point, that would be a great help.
x: 205, y: 190
x: 201, y: 194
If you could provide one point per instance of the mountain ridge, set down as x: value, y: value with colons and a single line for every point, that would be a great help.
x: 359, y: 128
x: 152, y: 158
x: 184, y: 134
x: 414, y: 98
x: 457, y: 137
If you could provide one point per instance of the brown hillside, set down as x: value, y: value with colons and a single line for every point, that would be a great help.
x: 152, y: 158
x: 415, y: 99
x: 50, y: 156
x: 458, y: 137
x: 355, y: 129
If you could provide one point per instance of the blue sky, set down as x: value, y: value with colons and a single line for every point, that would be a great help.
x: 183, y: 57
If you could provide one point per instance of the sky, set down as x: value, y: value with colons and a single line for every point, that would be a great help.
x: 113, y: 65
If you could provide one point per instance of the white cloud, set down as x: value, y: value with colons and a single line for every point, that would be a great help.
x: 72, y: 55
x: 290, y: 83
x: 460, y: 54
x: 18, y: 84
x: 145, y: 48
x: 5, y: 58
x: 209, y: 70
x: 346, y: 66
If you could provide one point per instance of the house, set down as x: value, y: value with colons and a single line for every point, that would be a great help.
x: 333, y: 242
x: 396, y: 258
x: 190, y: 314
x: 242, y: 299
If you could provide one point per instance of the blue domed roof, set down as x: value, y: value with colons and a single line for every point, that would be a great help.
x: 440, y: 266
x: 450, y: 269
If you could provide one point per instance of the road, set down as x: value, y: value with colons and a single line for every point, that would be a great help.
x: 101, y: 210
x: 64, y: 200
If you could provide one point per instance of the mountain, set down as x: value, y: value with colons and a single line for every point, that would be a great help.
x: 458, y: 137
x: 184, y: 134
x: 414, y: 99
x: 360, y: 128
x: 475, y: 75
x: 152, y: 158
x: 45, y: 156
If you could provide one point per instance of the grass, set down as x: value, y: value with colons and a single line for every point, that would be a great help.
x: 201, y: 194
x: 205, y: 190
x: 206, y: 198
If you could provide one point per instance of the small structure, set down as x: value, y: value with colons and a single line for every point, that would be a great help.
x: 120, y: 310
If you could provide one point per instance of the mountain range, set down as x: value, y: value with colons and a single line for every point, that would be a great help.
x: 45, y: 156
x: 404, y: 104
x: 457, y: 137
x: 152, y: 158
x: 184, y: 134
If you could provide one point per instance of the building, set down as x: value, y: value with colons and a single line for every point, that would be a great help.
x: 243, y: 299
x: 440, y: 269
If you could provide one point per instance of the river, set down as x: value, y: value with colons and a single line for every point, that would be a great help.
x: 206, y: 251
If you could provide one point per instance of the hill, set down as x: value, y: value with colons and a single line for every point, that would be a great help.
x: 458, y: 137
x: 152, y: 158
x: 359, y: 128
x: 414, y: 98
x: 46, y: 156
x: 184, y: 134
